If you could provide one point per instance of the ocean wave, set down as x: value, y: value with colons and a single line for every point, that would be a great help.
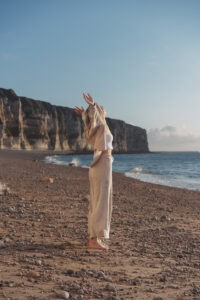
x: 157, y: 179
x: 147, y: 177
x: 75, y: 162
x: 139, y: 170
x: 55, y: 160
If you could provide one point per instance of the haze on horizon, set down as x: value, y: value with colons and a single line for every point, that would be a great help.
x: 139, y: 59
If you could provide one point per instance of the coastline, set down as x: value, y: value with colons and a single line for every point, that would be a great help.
x: 139, y: 172
x: 154, y: 235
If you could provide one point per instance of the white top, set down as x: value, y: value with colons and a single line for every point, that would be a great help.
x: 108, y: 141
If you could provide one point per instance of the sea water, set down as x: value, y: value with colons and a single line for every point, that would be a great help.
x: 177, y: 169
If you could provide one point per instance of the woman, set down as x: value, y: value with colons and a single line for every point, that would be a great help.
x: 97, y: 134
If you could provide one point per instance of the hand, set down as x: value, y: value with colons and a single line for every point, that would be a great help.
x: 78, y: 110
x: 89, y: 99
x: 103, y: 110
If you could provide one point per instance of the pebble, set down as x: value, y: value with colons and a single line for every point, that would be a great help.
x: 38, y: 262
x: 150, y: 290
x: 69, y: 272
x: 109, y: 287
x: 111, y: 297
x: 76, y: 286
x: 162, y: 279
x: 86, y: 198
x: 63, y: 294
x: 158, y: 254
x: 164, y: 218
x: 47, y: 179
x: 2, y: 244
x: 4, y: 189
x: 173, y: 286
x: 180, y: 255
x: 33, y: 274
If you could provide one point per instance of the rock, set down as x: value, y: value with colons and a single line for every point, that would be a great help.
x: 180, y: 255
x: 76, y: 287
x: 11, y: 284
x: 3, y: 188
x: 86, y: 198
x: 134, y: 281
x: 69, y: 272
x: 2, y: 244
x: 158, y: 254
x: 38, y: 262
x: 109, y: 287
x: 33, y: 274
x: 173, y: 286
x: 149, y: 290
x: 47, y: 179
x: 31, y: 124
x: 164, y: 218
x: 63, y: 294
x: 162, y: 279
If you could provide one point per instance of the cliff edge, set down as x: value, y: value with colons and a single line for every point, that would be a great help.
x: 32, y: 124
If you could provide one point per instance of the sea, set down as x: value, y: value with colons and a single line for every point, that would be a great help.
x: 176, y: 169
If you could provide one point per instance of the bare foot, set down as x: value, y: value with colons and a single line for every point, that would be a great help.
x: 96, y: 243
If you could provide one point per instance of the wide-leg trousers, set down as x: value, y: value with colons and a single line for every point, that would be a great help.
x: 100, y: 204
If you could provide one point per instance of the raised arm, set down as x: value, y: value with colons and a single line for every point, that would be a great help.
x: 78, y: 110
x: 90, y: 101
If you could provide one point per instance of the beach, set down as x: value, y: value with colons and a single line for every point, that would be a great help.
x: 154, y: 241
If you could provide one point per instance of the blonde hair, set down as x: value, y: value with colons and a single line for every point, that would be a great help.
x: 94, y: 117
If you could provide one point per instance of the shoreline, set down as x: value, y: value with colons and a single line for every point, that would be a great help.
x: 154, y: 240
x: 124, y: 172
x: 63, y: 152
x: 42, y: 154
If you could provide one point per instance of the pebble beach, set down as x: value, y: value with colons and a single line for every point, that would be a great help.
x: 154, y: 241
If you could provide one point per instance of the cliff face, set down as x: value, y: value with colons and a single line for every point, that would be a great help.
x: 31, y: 124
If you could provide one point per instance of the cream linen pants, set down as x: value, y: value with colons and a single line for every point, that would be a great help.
x: 100, y: 205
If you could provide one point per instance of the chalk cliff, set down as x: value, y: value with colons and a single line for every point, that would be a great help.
x: 32, y: 124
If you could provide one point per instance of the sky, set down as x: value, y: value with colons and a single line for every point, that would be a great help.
x: 139, y: 59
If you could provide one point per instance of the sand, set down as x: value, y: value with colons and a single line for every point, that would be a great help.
x: 154, y: 245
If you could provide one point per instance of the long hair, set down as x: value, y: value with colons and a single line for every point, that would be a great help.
x: 94, y: 117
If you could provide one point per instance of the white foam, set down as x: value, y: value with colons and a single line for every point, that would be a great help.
x: 156, y: 179
x: 75, y: 162
x: 148, y: 178
x: 84, y: 166
x: 137, y: 170
x: 54, y: 160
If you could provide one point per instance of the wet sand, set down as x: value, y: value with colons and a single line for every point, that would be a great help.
x: 154, y: 245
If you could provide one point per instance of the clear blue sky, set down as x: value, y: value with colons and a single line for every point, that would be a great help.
x: 139, y: 59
